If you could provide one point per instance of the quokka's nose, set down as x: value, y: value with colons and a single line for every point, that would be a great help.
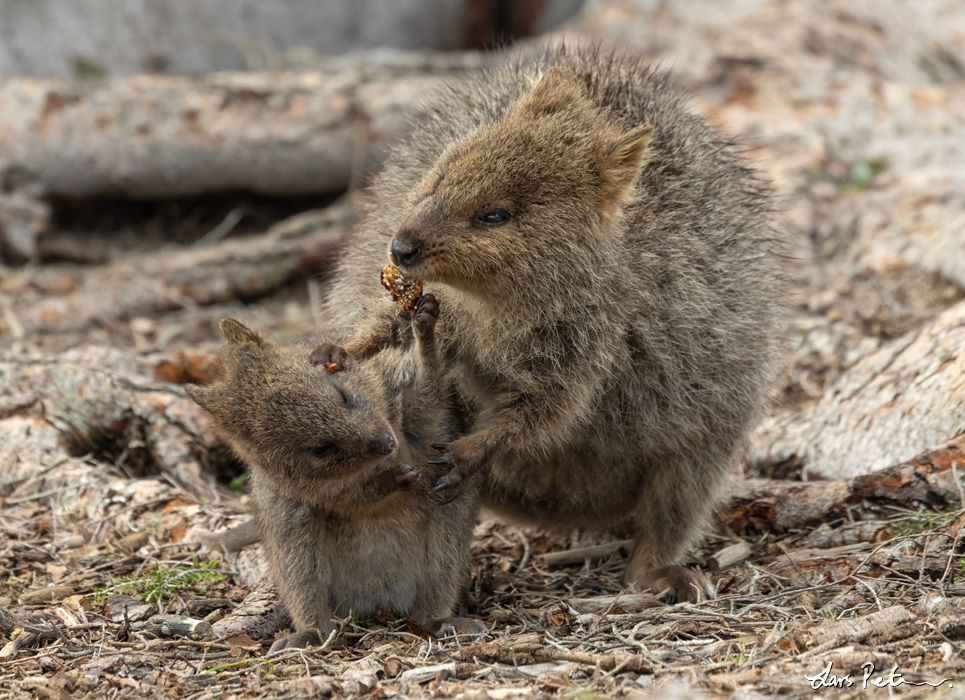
x: 383, y: 444
x: 404, y: 253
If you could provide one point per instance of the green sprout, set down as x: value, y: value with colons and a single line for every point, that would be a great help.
x: 271, y: 666
x: 162, y: 582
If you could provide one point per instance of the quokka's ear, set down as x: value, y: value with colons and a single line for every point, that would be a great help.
x: 558, y: 88
x: 237, y: 333
x: 622, y: 161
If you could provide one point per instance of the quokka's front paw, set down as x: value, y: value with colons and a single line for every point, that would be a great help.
x: 461, y: 471
x: 424, y: 315
x: 405, y: 476
x: 332, y: 357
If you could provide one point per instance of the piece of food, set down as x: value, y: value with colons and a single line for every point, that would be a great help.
x: 405, y: 291
x: 330, y: 367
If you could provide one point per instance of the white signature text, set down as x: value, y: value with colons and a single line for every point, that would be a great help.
x: 892, y: 679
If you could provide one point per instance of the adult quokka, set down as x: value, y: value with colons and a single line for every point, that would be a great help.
x: 612, y: 301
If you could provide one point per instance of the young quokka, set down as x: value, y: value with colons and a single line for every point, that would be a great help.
x: 611, y: 296
x: 346, y: 518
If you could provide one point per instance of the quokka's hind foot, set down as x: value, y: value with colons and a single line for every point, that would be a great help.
x: 682, y: 583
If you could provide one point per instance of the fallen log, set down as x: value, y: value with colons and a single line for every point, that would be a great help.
x: 169, y: 135
x: 900, y: 400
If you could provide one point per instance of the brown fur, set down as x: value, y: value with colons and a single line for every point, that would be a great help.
x: 617, y: 337
x: 352, y: 527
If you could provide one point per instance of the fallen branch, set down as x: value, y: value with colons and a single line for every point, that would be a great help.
x: 527, y: 654
x: 927, y: 479
x: 833, y: 633
x: 165, y: 625
x: 235, y: 268
x: 582, y: 554
x: 729, y: 556
x: 626, y: 601
x: 259, y: 616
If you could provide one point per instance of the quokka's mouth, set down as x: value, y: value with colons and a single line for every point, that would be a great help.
x: 420, y: 270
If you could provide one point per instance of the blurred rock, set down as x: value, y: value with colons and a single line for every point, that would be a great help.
x: 22, y: 220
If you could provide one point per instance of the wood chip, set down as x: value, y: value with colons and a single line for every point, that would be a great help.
x: 178, y: 626
x: 728, y: 556
x: 45, y: 595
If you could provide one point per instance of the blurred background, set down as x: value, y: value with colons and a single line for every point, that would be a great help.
x: 122, y: 37
x: 131, y: 130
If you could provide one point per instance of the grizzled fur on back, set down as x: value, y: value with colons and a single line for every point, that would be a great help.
x: 616, y: 334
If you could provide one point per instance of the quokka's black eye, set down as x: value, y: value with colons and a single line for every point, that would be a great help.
x: 322, y: 450
x: 496, y: 217
x: 343, y: 395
